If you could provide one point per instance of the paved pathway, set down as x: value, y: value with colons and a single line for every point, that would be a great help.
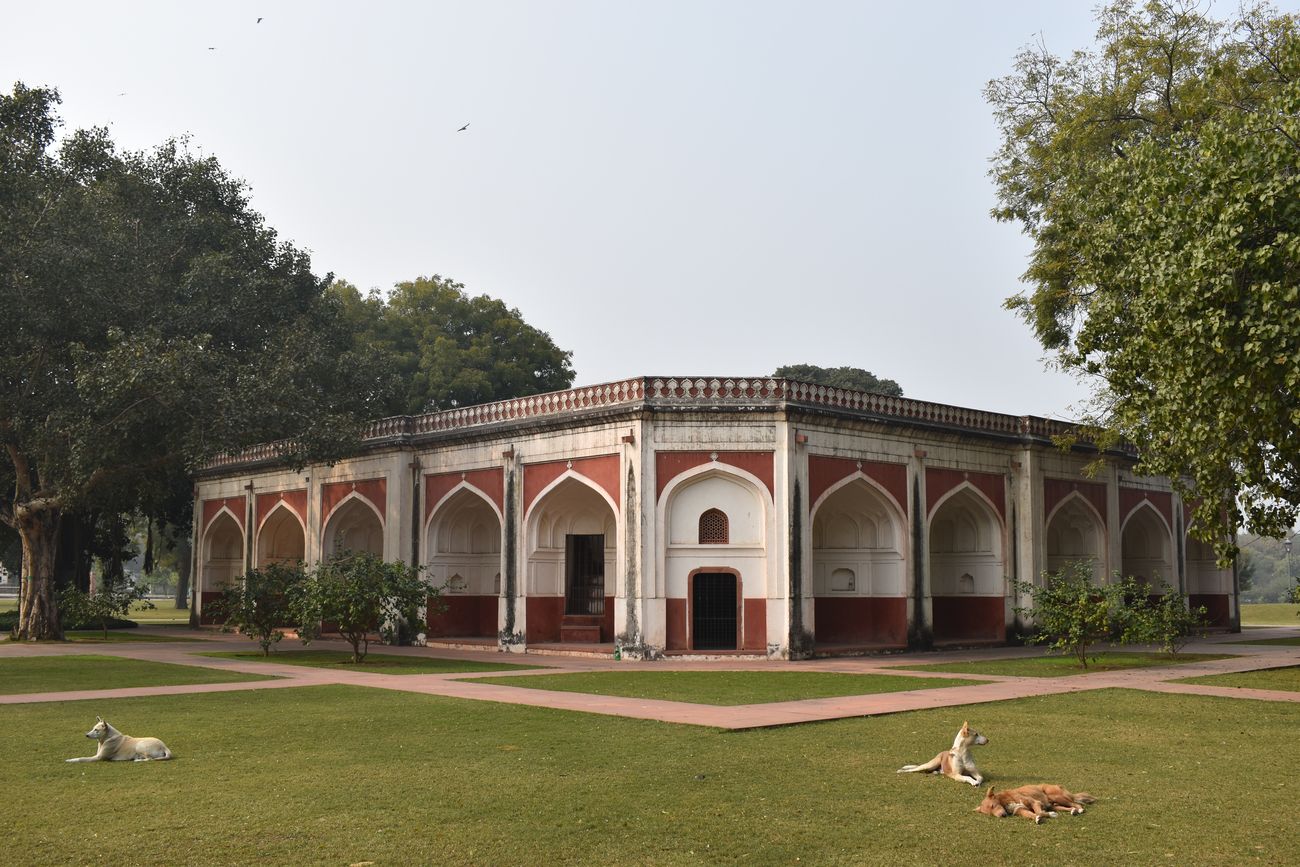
x: 1243, y: 658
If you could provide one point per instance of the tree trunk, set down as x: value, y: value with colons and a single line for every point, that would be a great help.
x: 38, y: 610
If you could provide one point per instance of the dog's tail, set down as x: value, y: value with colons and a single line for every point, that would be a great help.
x: 1084, y: 798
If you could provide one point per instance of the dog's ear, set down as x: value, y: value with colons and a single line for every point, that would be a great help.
x: 989, y: 793
x: 99, y: 719
x: 965, y: 726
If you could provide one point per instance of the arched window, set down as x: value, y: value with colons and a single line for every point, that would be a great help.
x: 714, y: 529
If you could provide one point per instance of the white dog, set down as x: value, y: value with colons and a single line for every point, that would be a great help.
x: 117, y: 747
x: 956, y: 763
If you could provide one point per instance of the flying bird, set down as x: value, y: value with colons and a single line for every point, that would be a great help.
x: 259, y: 21
x: 463, y: 128
x: 211, y: 48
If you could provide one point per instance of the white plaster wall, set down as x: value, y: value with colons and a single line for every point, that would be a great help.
x: 716, y: 487
x: 1145, y: 547
x: 855, y: 529
x: 1075, y: 534
x: 464, y: 541
x: 965, y: 539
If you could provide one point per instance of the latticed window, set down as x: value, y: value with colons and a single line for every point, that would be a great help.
x: 714, y: 529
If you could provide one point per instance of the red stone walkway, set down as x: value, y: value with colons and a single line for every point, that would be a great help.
x: 1243, y: 658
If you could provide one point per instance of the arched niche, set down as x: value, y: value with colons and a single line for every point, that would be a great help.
x: 859, y: 585
x: 1076, y: 534
x: 1145, y: 549
x: 354, y: 526
x: 463, y: 553
x: 223, y: 553
x: 967, y: 583
x: 572, y: 539
x: 281, y: 538
x: 1207, y: 584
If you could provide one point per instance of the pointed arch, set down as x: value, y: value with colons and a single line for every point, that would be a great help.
x: 355, y: 524
x: 281, y: 536
x: 899, y: 511
x: 1146, y: 546
x: 967, y: 585
x: 1075, y: 531
x: 222, y: 558
x: 462, y: 550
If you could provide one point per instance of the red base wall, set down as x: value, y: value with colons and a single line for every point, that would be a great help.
x: 1216, y: 607
x: 464, y: 616
x: 861, y: 620
x: 753, y: 627
x: 544, y: 615
x: 676, y: 626
x: 206, y: 598
x: 969, y: 618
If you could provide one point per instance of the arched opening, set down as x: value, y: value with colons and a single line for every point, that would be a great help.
x: 281, y: 539
x: 463, y: 545
x: 572, y: 551
x: 715, y: 563
x: 967, y: 587
x: 1144, y: 550
x: 1207, y: 584
x: 860, y: 596
x: 1074, y: 534
x: 223, y: 559
x: 354, y: 526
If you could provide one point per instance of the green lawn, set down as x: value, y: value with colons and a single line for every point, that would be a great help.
x: 1284, y: 642
x: 96, y: 636
x: 1271, y: 678
x: 70, y: 672
x: 1270, y: 614
x: 165, y: 611
x: 1062, y: 666
x: 724, y: 687
x: 340, y: 775
x: 377, y: 663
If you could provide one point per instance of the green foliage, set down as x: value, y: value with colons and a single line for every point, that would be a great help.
x: 1166, y: 620
x: 840, y: 377
x: 1266, y: 571
x: 362, y: 595
x: 1071, y: 613
x: 1158, y: 177
x: 104, y: 608
x: 153, y: 321
x: 447, y: 348
x: 259, y: 604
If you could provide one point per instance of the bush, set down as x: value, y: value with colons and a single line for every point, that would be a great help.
x: 1165, y: 620
x: 104, y: 610
x: 363, y: 595
x: 1072, y: 613
x: 259, y: 605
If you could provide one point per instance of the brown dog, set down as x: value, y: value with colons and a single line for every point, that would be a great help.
x: 1033, y: 802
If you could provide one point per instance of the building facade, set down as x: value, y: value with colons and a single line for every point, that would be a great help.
x: 688, y: 515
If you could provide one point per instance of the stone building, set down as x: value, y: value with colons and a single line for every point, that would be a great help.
x: 679, y: 515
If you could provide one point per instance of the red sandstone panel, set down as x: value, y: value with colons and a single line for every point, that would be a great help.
x: 824, y: 472
x: 487, y: 616
x: 373, y: 490
x: 1056, y: 490
x: 969, y: 618
x: 1162, y: 500
x: 670, y: 465
x: 607, y: 622
x: 295, y: 500
x: 234, y: 504
x: 490, y: 481
x: 755, y: 625
x: 544, y: 616
x: 676, y: 637
x: 939, y: 481
x: 458, y: 616
x: 861, y: 620
x: 602, y: 470
x: 206, y: 599
x: 1216, y: 607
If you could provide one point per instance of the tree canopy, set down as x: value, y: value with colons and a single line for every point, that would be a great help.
x: 447, y: 348
x: 153, y: 321
x: 840, y: 377
x: 1158, y: 177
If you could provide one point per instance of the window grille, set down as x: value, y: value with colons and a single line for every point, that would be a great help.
x: 714, y: 528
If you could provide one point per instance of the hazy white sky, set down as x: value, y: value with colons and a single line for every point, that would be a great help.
x: 667, y: 188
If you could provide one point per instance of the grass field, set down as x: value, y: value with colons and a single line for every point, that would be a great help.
x: 1270, y: 614
x: 1063, y: 666
x: 1276, y: 642
x: 724, y: 687
x: 86, y: 671
x: 340, y: 775
x: 1271, y: 678
x: 378, y: 663
x: 96, y: 636
x: 165, y: 611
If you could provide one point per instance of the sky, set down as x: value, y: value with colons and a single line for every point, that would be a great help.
x: 666, y: 188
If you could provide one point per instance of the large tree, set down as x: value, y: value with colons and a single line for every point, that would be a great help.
x: 1158, y: 176
x: 448, y: 348
x: 840, y: 377
x: 152, y: 321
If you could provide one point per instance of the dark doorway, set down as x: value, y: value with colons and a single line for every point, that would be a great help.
x: 713, y: 611
x: 584, y: 574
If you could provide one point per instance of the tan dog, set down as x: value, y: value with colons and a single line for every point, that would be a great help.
x: 1033, y: 802
x: 117, y: 747
x: 957, y: 763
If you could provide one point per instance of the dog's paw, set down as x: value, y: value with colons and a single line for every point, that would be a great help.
x: 1038, y: 820
x: 1052, y: 813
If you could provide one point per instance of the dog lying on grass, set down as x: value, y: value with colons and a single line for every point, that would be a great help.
x: 957, y: 763
x: 1033, y: 802
x: 117, y: 747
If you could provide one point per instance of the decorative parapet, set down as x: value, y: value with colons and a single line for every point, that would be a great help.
x: 690, y: 392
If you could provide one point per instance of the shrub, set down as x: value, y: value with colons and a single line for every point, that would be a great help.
x: 259, y: 605
x: 105, y: 609
x: 363, y: 595
x: 1165, y: 620
x: 1072, y: 613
